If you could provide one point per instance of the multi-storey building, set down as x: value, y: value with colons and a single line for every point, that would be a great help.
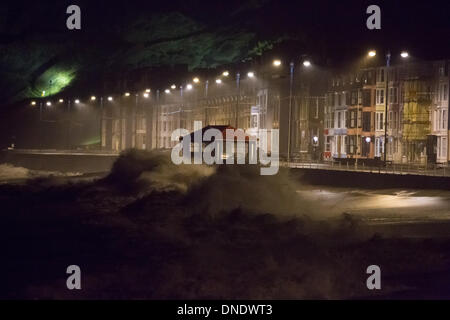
x: 417, y: 92
x: 394, y: 109
x: 349, y: 116
x: 368, y: 115
x: 360, y: 113
x: 439, y: 114
x: 337, y: 109
x: 380, y: 100
x: 126, y: 123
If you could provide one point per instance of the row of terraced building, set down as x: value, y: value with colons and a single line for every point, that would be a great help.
x: 397, y: 113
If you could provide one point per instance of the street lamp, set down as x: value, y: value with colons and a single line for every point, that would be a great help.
x: 93, y: 98
x: 127, y: 94
x: 251, y: 74
x: 61, y: 100
x: 173, y: 87
x: 110, y: 98
x: 238, y: 87
x: 48, y: 103
x: 167, y: 91
x: 146, y: 95
x: 404, y: 54
x: 372, y: 53
x: 196, y: 80
x: 218, y: 81
x: 189, y: 86
x: 225, y: 73
x: 307, y: 63
x: 315, y: 145
x: 147, y: 90
x: 33, y: 103
x: 78, y: 101
x: 277, y: 63
x: 368, y: 139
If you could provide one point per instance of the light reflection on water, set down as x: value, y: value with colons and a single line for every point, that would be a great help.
x: 382, y: 206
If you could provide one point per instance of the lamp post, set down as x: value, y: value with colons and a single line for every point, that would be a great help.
x: 136, y: 121
x: 41, y: 120
x: 403, y: 55
x: 40, y: 124
x: 69, y: 126
x: 40, y: 111
x: 157, y: 119
x: 101, y: 122
x: 238, y: 86
x: 306, y: 64
x: 388, y: 63
x: 357, y: 135
x: 206, y: 102
x: 147, y: 119
x: 181, y: 107
x: 291, y: 81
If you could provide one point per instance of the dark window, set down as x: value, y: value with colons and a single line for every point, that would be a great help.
x: 351, y: 147
x: 367, y: 98
x: 352, y: 119
x: 366, y: 121
x: 354, y: 98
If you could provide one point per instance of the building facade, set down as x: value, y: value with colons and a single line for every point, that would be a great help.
x: 399, y: 113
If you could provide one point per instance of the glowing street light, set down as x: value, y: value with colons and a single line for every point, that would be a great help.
x: 316, y: 139
x: 49, y: 103
x: 173, y: 87
x: 277, y: 63
x: 307, y: 63
x: 167, y: 91
x: 78, y: 101
x: 404, y: 54
x: 368, y: 139
x: 218, y: 81
x: 372, y: 53
x: 225, y: 73
x: 61, y: 100
x: 147, y: 90
x: 146, y: 95
x: 189, y: 86
x: 110, y: 98
x: 251, y: 74
x: 196, y: 80
x: 93, y: 98
x: 33, y: 103
x: 127, y: 94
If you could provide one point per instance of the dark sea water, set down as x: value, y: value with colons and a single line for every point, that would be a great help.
x: 150, y: 229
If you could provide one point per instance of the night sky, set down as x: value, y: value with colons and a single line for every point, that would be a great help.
x: 173, y: 38
x: 150, y: 229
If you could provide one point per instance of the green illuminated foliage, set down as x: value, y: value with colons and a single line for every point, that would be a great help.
x: 52, y: 82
